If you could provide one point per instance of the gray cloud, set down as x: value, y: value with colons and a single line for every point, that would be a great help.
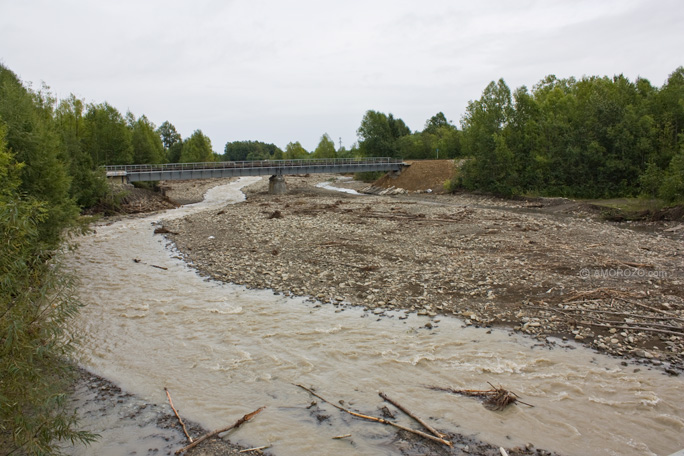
x: 287, y: 71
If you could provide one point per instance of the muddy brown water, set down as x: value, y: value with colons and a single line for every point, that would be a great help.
x: 224, y: 350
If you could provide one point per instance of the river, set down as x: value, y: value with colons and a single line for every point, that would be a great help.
x: 151, y: 322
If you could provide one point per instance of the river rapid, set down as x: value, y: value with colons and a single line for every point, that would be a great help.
x: 222, y: 350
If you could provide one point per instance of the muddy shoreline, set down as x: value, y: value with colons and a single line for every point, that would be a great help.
x: 128, y: 424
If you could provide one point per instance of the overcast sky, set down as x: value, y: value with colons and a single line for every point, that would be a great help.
x: 282, y: 71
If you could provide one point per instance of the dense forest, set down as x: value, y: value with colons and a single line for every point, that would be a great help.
x: 588, y: 138
x: 596, y: 137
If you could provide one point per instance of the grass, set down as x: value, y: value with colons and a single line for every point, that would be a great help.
x: 622, y: 209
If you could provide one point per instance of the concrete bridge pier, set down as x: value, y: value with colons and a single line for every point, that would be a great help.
x: 277, y: 185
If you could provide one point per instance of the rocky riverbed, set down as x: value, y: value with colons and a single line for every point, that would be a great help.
x: 541, y: 267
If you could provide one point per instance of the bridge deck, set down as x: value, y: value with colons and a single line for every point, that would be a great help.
x: 182, y: 171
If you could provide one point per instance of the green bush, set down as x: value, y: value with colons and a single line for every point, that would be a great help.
x: 36, y: 303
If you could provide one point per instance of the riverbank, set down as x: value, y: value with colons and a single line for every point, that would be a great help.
x: 543, y: 268
x: 307, y: 193
x: 127, y: 424
x: 120, y: 410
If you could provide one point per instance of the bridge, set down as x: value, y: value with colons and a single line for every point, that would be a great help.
x: 274, y: 168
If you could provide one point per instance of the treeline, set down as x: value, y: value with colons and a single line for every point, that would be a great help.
x: 43, y: 173
x: 380, y: 135
x: 257, y: 150
x: 596, y: 137
x: 64, y: 143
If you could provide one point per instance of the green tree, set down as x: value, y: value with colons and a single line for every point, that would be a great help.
x: 251, y: 150
x: 32, y: 138
x: 88, y: 185
x: 258, y: 153
x: 196, y: 149
x: 669, y: 110
x: 592, y: 138
x: 551, y: 130
x: 35, y: 305
x: 171, y: 140
x: 175, y: 151
x: 169, y: 135
x: 295, y: 151
x: 672, y: 187
x: 436, y: 122
x: 418, y: 146
x: 236, y: 151
x: 524, y: 137
x: 651, y: 180
x: 448, y: 144
x: 325, y: 148
x: 666, y: 119
x: 107, y: 137
x: 490, y: 167
x: 440, y: 139
x: 379, y: 134
x: 147, y: 144
x: 343, y: 152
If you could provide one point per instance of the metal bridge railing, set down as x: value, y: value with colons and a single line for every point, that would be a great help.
x: 123, y: 169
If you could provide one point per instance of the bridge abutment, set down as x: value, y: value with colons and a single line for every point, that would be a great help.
x: 277, y: 185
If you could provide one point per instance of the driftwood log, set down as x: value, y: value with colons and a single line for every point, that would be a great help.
x: 180, y: 420
x: 211, y: 434
x: 434, y: 431
x: 378, y: 420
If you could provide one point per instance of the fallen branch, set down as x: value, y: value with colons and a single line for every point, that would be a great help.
x: 379, y: 420
x: 637, y: 265
x: 494, y: 398
x: 247, y: 450
x: 648, y: 324
x: 608, y: 312
x: 340, y: 437
x: 211, y: 434
x: 180, y: 420
x: 159, y: 267
x: 636, y: 328
x: 434, y: 431
x: 653, y: 309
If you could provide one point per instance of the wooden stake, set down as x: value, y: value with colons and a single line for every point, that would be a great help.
x: 434, y: 431
x: 180, y: 420
x: 379, y: 420
x: 211, y: 434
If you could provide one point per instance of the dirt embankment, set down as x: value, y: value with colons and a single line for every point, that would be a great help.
x: 541, y: 268
x: 126, y: 199
x: 421, y: 176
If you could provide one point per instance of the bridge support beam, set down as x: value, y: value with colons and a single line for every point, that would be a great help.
x: 123, y: 178
x: 277, y: 185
